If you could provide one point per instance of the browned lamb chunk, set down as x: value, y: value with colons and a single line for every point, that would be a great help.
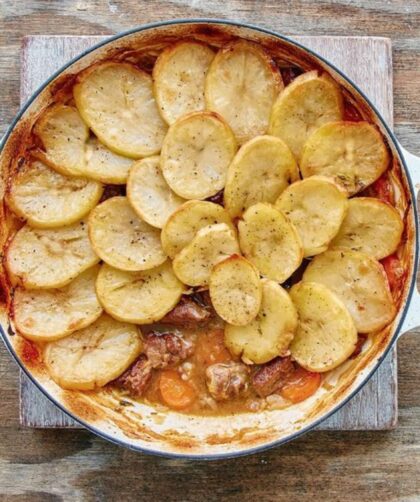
x: 272, y: 375
x: 136, y: 379
x: 188, y: 313
x: 166, y: 349
x: 227, y: 381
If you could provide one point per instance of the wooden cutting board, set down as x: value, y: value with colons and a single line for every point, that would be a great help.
x: 368, y: 62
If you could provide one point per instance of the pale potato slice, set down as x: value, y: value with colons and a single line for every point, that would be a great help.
x: 49, y: 258
x: 270, y: 333
x: 310, y: 101
x: 371, y: 226
x: 235, y: 290
x: 149, y: 194
x: 122, y: 239
x: 353, y: 153
x: 270, y: 241
x: 47, y: 199
x: 92, y: 357
x: 139, y: 297
x: 179, y: 75
x: 116, y: 101
x: 212, y: 244
x: 326, y: 335
x: 262, y: 168
x: 187, y: 220
x: 50, y: 314
x: 196, y: 154
x: 360, y: 283
x: 242, y: 84
x: 316, y: 206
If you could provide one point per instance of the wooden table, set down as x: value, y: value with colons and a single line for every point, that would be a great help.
x: 354, y: 466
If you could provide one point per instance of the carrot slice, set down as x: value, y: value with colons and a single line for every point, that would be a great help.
x: 300, y: 385
x: 175, y: 392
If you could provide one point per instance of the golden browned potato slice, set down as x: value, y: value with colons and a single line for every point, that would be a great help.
x: 149, y: 194
x: 122, y: 239
x: 316, y: 206
x: 212, y: 244
x: 353, y: 153
x: 196, y: 154
x: 360, y: 283
x: 47, y: 199
x: 139, y: 297
x: 260, y: 171
x: 326, y: 335
x: 116, y: 101
x: 187, y: 220
x: 179, y: 75
x: 270, y: 241
x: 310, y: 101
x: 242, y: 84
x: 235, y: 290
x: 270, y: 333
x: 371, y: 226
x: 50, y: 314
x: 49, y: 258
x: 92, y: 357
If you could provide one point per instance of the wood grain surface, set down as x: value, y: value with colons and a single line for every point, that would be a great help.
x: 55, y: 465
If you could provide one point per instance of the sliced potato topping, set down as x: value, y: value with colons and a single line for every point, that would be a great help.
x: 49, y: 258
x: 179, y: 75
x: 47, y: 199
x: 310, y: 101
x: 316, y: 206
x: 326, y: 335
x: 242, y: 84
x: 187, y: 220
x: 360, y: 283
x: 270, y: 241
x: 139, y: 297
x: 371, y: 226
x: 149, y: 194
x: 260, y: 171
x: 122, y: 239
x: 92, y: 357
x: 212, y: 244
x: 353, y: 153
x: 116, y: 101
x: 196, y: 154
x: 235, y: 290
x: 270, y: 333
x: 50, y: 314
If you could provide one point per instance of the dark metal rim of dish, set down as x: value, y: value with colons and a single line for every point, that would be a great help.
x: 278, y: 442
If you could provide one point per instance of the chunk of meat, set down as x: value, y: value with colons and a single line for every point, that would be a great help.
x: 166, y: 349
x: 227, y: 381
x: 217, y: 198
x: 188, y: 313
x: 272, y: 375
x: 136, y: 379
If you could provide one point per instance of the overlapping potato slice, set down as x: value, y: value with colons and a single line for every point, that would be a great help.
x: 360, y: 283
x: 260, y: 171
x: 122, y: 239
x: 187, y: 220
x: 235, y: 290
x: 242, y: 84
x: 138, y: 297
x: 93, y: 356
x: 49, y: 258
x: 179, y: 75
x: 310, y: 101
x: 116, y: 101
x: 196, y: 154
x: 316, y: 206
x: 353, y: 153
x: 149, y: 194
x: 212, y: 244
x: 47, y: 199
x: 50, y: 314
x: 326, y: 335
x: 270, y: 241
x: 270, y: 333
x: 371, y: 226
